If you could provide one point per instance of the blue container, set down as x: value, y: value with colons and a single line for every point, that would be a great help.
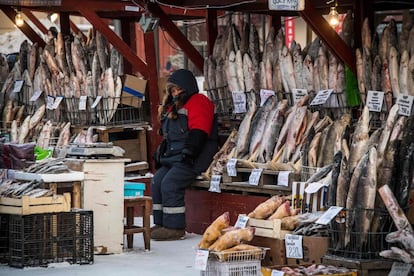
x: 133, y: 189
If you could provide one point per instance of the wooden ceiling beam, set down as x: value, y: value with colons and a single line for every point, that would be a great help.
x: 26, y: 29
x: 112, y: 38
x: 34, y: 20
x: 179, y: 38
x: 328, y: 35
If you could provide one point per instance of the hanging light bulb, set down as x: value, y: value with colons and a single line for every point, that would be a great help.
x: 333, y: 17
x: 53, y: 17
x: 18, y: 19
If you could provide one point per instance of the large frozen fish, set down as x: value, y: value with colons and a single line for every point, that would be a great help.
x: 359, y: 139
x: 242, y: 144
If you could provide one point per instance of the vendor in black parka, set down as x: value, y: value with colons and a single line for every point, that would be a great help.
x: 190, y: 142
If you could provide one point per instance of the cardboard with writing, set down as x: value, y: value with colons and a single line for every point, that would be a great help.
x: 314, y: 248
x: 133, y: 91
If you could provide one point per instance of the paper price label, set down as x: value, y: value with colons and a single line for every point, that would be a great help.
x: 283, y: 178
x: 321, y: 97
x: 18, y: 86
x: 57, y: 102
x: 50, y: 102
x: 400, y: 269
x: 239, y: 101
x: 405, y: 105
x: 82, y: 102
x: 231, y: 167
x: 298, y: 94
x: 293, y: 245
x: 374, y: 100
x: 264, y: 95
x: 201, y: 259
x: 241, y: 221
x: 277, y: 273
x: 97, y: 100
x: 35, y: 96
x: 329, y: 215
x: 215, y: 184
x: 255, y: 176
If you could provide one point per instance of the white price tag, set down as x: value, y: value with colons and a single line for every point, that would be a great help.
x: 264, y: 95
x: 298, y: 94
x: 374, y: 100
x: 18, y: 86
x: 97, y: 100
x: 287, y: 5
x: 321, y: 97
x: 239, y: 101
x: 231, y: 167
x: 215, y: 184
x: 57, y: 102
x: 277, y: 273
x: 201, y: 259
x: 329, y: 215
x: 405, y: 105
x: 50, y: 102
x: 283, y: 178
x: 82, y: 102
x: 400, y: 269
x: 255, y: 176
x: 241, y: 221
x: 293, y: 245
x: 35, y: 96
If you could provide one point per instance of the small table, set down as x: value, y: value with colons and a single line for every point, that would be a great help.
x: 145, y: 203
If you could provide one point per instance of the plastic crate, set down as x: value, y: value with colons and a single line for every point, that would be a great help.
x: 4, y: 238
x: 133, y: 189
x: 241, y: 268
x: 40, y: 239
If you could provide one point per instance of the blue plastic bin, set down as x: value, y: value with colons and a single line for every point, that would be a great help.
x: 133, y: 189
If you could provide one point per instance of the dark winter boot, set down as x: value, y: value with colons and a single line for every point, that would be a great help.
x: 167, y: 234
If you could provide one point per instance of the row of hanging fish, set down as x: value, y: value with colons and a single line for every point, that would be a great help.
x: 237, y: 64
x: 386, y: 61
x: 70, y: 68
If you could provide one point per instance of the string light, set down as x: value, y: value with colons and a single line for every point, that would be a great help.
x: 333, y: 17
x: 18, y: 19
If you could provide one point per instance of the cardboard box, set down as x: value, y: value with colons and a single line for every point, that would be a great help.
x: 410, y: 212
x: 133, y: 91
x: 276, y: 255
x: 314, y: 248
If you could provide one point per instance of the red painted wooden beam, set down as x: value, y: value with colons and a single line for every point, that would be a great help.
x: 34, y: 20
x: 177, y: 35
x: 26, y: 29
x: 113, y: 38
x: 332, y: 40
x: 211, y: 29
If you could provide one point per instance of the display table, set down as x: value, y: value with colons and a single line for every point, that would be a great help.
x: 102, y: 191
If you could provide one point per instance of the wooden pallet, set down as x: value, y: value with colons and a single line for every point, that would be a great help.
x: 29, y: 205
x: 268, y: 228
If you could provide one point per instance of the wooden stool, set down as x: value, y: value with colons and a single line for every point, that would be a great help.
x: 130, y: 229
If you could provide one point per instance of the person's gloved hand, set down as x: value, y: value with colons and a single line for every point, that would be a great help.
x: 187, y: 157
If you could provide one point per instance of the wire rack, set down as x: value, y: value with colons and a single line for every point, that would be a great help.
x: 238, y: 256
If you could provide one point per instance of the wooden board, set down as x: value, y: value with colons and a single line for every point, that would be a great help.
x: 28, y: 205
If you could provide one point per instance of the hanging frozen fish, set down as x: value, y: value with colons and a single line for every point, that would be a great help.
x: 286, y: 69
x: 298, y: 66
x: 239, y: 70
x: 394, y: 71
x: 386, y: 85
x: 307, y: 74
x: 61, y: 55
x: 407, y: 24
x: 231, y: 72
x: 403, y: 73
x: 33, y: 60
x: 268, y: 75
x: 294, y: 135
x: 376, y: 74
x: 248, y: 72
x: 242, y: 144
x: 366, y: 34
x: 323, y: 69
x: 348, y: 29
x: 24, y: 130
x: 102, y: 50
x: 359, y: 139
x: 37, y: 116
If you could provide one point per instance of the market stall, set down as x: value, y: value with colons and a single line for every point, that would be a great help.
x: 310, y: 133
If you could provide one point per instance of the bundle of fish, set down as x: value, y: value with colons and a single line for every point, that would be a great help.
x: 16, y: 189
x: 48, y: 166
x: 237, y: 64
x: 386, y: 62
x: 70, y: 68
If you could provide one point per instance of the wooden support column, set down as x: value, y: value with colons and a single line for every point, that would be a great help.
x: 26, y: 29
x: 276, y: 22
x: 129, y: 37
x: 211, y: 29
x: 64, y: 23
x: 332, y: 40
x: 114, y: 39
x: 154, y: 98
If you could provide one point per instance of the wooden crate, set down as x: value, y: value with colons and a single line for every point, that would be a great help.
x: 268, y: 228
x: 28, y: 205
x: 371, y: 267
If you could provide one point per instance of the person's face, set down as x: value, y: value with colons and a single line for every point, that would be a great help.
x: 175, y: 91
